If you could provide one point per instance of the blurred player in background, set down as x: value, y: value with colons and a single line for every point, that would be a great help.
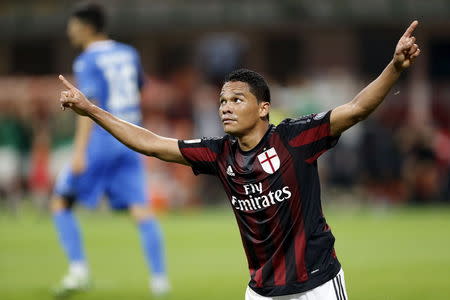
x: 110, y: 74
x: 269, y: 174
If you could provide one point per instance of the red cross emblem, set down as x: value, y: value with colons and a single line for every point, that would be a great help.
x: 269, y: 161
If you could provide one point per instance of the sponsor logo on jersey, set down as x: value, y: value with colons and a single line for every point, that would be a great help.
x: 269, y: 161
x: 230, y: 171
x: 256, y: 199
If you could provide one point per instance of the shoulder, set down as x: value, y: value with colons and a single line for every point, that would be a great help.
x: 82, y: 62
x: 304, y: 120
x: 126, y: 47
x: 291, y: 127
x: 293, y: 122
x: 217, y: 141
x: 216, y: 144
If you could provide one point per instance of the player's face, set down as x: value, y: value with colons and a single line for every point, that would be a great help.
x: 239, y: 109
x: 76, y: 31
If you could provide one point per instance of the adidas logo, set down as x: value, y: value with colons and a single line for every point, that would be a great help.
x: 230, y: 171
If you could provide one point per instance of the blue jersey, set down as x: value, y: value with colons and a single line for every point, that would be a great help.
x: 110, y: 73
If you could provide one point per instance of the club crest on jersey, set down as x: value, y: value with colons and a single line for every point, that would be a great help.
x: 269, y: 161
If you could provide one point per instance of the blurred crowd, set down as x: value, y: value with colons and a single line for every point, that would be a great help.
x: 400, y: 155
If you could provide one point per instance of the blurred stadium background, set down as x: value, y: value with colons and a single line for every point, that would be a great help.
x: 386, y: 185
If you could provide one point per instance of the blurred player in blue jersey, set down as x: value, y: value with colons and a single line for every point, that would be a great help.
x: 110, y: 74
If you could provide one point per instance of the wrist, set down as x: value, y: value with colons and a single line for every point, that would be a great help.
x: 396, y: 66
x: 91, y: 110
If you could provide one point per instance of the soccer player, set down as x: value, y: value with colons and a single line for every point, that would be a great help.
x: 110, y: 74
x: 269, y: 174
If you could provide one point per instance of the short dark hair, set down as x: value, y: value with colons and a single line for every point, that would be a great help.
x: 257, y: 83
x: 90, y: 13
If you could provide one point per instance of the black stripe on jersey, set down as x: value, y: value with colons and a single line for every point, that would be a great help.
x: 320, y: 244
x: 292, y: 222
x: 290, y: 263
x: 251, y: 257
x: 257, y: 251
x: 244, y: 164
x: 287, y: 225
x: 341, y: 287
x: 287, y: 221
x: 244, y: 222
x: 266, y: 232
x: 335, y: 289
x: 268, y: 272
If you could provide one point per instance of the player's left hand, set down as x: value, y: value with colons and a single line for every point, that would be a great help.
x: 406, y: 50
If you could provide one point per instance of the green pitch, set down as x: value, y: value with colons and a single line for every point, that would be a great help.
x: 395, y: 254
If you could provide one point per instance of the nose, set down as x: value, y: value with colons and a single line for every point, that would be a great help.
x: 225, y: 109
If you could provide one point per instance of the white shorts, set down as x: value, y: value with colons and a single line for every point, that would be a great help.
x: 333, y: 289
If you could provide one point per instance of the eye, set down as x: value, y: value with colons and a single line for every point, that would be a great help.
x: 237, y: 100
x: 222, y: 101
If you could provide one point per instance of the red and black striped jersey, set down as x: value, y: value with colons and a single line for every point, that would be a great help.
x: 274, y: 191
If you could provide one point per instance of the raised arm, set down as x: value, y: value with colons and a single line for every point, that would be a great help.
x: 135, y: 137
x: 347, y: 115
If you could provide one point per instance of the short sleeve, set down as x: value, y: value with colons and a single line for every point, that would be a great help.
x: 202, y: 154
x: 309, y: 134
x: 86, y: 78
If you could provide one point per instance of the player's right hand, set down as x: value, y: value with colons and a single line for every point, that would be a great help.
x: 73, y: 98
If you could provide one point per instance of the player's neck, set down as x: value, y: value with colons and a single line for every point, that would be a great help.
x: 95, y: 38
x: 249, y: 141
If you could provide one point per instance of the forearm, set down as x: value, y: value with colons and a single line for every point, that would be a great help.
x: 347, y: 115
x: 134, y: 137
x: 373, y: 95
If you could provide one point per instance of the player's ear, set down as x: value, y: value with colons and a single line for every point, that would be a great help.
x: 264, y: 109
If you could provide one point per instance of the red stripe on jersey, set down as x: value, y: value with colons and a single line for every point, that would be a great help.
x: 315, y: 156
x: 203, y: 152
x: 252, y: 271
x: 258, y: 278
x: 300, y: 247
x: 310, y: 135
x: 279, y: 265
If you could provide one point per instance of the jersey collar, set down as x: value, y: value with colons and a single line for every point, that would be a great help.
x: 262, y: 141
x: 99, y: 45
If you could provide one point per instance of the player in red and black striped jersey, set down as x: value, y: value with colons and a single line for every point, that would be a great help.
x: 275, y: 194
x: 269, y: 174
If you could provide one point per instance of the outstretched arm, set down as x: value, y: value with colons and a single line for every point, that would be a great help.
x: 135, y: 137
x: 347, y: 115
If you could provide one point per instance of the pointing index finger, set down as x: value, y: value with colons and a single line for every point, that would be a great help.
x: 65, y: 82
x: 411, y: 28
